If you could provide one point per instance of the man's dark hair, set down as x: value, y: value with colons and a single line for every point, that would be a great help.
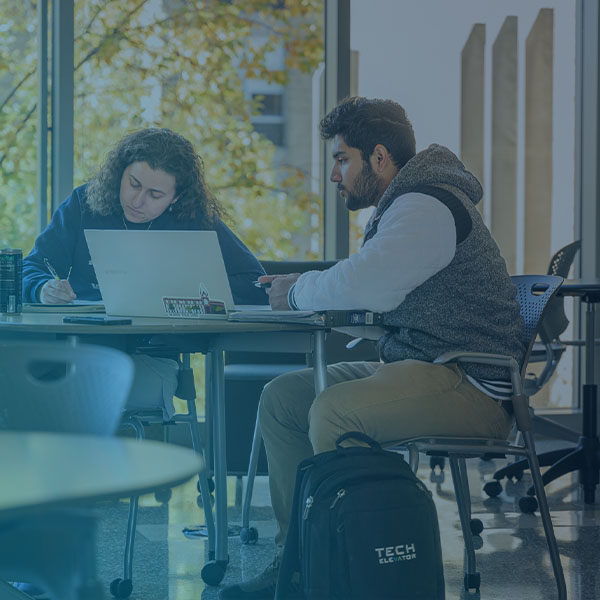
x: 161, y: 149
x: 363, y: 123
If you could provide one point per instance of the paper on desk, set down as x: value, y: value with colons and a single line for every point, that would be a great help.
x: 78, y: 306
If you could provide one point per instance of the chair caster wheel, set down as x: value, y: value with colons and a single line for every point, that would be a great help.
x: 211, y: 489
x: 528, y: 504
x: 493, y: 488
x: 437, y: 461
x: 121, y: 588
x: 213, y: 572
x: 200, y: 500
x: 472, y: 582
x: 518, y: 476
x: 211, y: 486
x: 476, y: 526
x: 249, y: 535
x: 163, y: 496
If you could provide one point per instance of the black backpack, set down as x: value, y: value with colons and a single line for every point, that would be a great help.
x: 363, y: 527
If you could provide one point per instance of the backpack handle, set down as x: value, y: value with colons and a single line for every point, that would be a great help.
x: 357, y: 435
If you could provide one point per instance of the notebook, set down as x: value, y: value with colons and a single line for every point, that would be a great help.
x: 78, y: 306
x: 160, y: 273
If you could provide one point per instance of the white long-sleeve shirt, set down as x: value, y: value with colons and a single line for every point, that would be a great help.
x: 416, y: 238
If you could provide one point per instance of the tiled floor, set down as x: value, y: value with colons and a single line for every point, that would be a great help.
x: 513, y: 558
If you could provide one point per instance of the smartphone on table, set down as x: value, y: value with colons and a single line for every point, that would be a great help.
x: 96, y: 320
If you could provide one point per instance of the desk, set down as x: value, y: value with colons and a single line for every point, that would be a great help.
x: 211, y: 337
x: 45, y: 472
x: 585, y: 457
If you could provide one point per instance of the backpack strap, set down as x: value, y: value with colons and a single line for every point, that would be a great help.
x: 357, y: 435
x: 290, y: 561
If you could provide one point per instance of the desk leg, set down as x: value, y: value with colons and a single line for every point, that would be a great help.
x: 214, y: 570
x: 319, y: 361
x: 588, y: 443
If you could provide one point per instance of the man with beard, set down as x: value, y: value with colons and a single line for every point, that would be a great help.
x: 431, y: 266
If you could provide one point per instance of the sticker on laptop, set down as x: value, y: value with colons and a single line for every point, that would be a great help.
x: 193, y: 307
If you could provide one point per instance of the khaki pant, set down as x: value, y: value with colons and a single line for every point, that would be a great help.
x: 389, y: 402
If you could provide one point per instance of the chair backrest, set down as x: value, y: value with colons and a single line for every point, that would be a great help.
x: 560, y: 263
x: 555, y: 319
x: 59, y: 386
x: 534, y: 292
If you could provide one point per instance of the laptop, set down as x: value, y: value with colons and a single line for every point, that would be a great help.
x: 160, y: 273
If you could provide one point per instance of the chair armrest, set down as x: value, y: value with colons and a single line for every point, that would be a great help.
x: 519, y: 400
x: 482, y: 358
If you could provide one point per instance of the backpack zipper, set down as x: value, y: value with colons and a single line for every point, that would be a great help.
x: 309, y: 503
x: 340, y: 494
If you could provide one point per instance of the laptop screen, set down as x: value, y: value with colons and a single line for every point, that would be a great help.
x: 160, y: 273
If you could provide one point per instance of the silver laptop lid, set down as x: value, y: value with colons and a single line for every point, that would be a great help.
x: 160, y: 273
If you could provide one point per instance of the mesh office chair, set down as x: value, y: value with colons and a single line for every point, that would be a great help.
x: 548, y: 349
x: 532, y: 307
x: 62, y: 387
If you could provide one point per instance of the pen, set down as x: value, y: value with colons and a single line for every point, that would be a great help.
x: 261, y: 284
x: 51, y: 269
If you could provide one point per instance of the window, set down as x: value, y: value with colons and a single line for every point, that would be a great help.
x: 219, y: 76
x: 269, y: 121
x: 18, y: 131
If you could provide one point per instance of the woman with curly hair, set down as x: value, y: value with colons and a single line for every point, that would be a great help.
x: 152, y: 179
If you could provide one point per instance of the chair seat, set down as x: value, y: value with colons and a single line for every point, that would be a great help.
x: 460, y: 447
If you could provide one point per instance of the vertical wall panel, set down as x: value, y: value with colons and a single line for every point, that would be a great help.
x: 42, y: 114
x: 471, y: 103
x: 337, y: 87
x: 504, y: 142
x: 62, y: 100
x: 538, y: 142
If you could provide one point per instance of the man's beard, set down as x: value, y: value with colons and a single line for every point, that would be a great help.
x: 366, y: 189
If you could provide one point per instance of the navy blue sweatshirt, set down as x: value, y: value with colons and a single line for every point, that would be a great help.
x: 63, y: 244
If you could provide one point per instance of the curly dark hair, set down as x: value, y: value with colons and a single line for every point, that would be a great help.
x: 161, y: 149
x: 363, y: 123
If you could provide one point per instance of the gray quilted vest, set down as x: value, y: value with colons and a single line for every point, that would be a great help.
x: 469, y: 305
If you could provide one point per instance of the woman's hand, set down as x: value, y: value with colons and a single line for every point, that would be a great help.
x: 56, y: 291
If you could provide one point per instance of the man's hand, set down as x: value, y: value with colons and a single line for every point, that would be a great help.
x: 57, y: 292
x: 280, y: 286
